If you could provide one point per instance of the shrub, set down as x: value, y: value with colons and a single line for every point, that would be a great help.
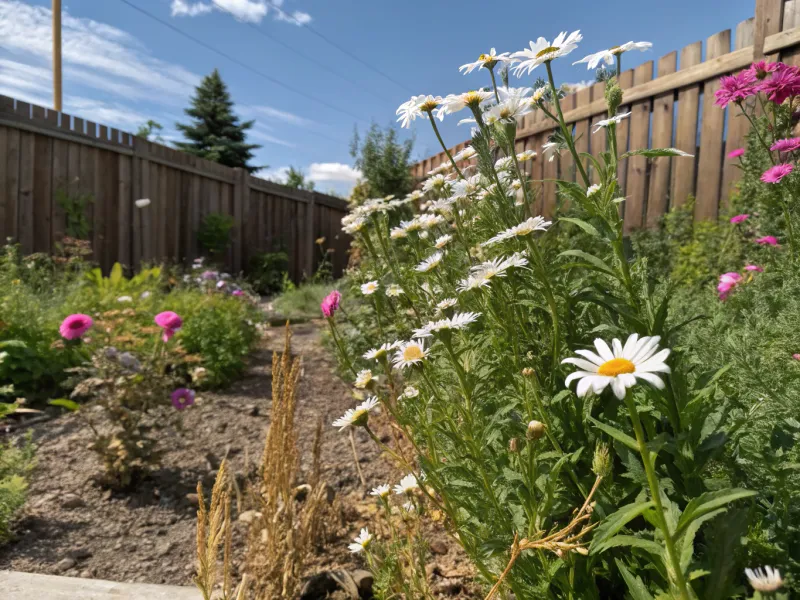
x: 266, y: 272
x: 214, y: 235
x: 15, y: 467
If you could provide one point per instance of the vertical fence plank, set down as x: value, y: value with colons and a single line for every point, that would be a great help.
x: 623, y: 130
x: 598, y: 143
x: 583, y: 131
x: 713, y: 123
x: 636, y: 188
x: 86, y: 169
x: 25, y: 210
x: 567, y: 170
x: 663, y: 108
x: 42, y: 193
x: 124, y: 215
x: 683, y: 171
x: 767, y: 21
x: 12, y: 184
x: 4, y: 134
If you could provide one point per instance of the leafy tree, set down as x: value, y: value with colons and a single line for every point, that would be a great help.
x: 216, y: 132
x: 295, y: 178
x: 384, y: 161
x: 151, y: 128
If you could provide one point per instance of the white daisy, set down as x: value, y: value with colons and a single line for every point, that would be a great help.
x: 617, y: 119
x: 363, y: 378
x: 358, y: 416
x: 543, y: 51
x: 764, y: 579
x: 507, y: 93
x: 621, y: 367
x: 436, y: 182
x: 409, y: 507
x: 410, y: 353
x: 407, y: 485
x: 538, y: 94
x: 456, y: 102
x: 361, y: 542
x: 593, y: 189
x: 443, y: 240
x: 445, y: 304
x: 382, y: 491
x: 417, y: 106
x: 610, y: 55
x: 466, y: 187
x: 369, y: 288
x: 398, y: 232
x: 465, y: 154
x: 354, y: 225
x: 457, y: 321
x: 503, y: 163
x: 441, y: 169
x: 430, y: 263
x: 382, y: 350
x: 428, y: 221
x: 410, y: 392
x: 549, y: 150
x: 393, y: 290
x: 526, y: 155
x: 508, y: 110
x: 526, y: 227
x: 481, y: 275
x: 486, y: 61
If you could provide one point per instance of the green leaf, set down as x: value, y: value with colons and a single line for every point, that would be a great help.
x: 686, y: 541
x: 613, y: 523
x: 616, y: 434
x: 70, y: 405
x: 587, y: 227
x: 593, y: 260
x: 636, y: 586
x: 656, y: 152
x: 631, y: 541
x: 115, y: 277
x: 709, y: 502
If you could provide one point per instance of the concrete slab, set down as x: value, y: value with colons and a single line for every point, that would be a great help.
x: 28, y: 586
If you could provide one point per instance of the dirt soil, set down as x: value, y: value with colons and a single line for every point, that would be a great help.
x: 72, y: 526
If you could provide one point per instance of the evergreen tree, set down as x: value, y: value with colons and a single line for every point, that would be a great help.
x: 216, y: 132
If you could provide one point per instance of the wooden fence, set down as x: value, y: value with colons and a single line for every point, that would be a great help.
x: 672, y: 104
x: 43, y: 151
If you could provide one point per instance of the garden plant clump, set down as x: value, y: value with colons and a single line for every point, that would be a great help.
x: 591, y: 418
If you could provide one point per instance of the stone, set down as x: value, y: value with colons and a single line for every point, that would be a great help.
x: 249, y: 516
x: 193, y: 499
x: 363, y: 580
x: 251, y: 410
x: 65, y: 564
x: 321, y: 585
x: 71, y: 501
x: 164, y: 547
x: 80, y: 553
x: 438, y: 547
x: 447, y: 587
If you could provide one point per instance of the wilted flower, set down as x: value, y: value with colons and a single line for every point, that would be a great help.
x: 74, y: 326
x: 181, y: 398
x: 358, y: 416
x: 764, y: 579
x: 363, y: 378
x: 361, y: 542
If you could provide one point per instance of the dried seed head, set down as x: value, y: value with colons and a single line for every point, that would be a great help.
x: 513, y: 445
x: 528, y: 372
x: 535, y: 430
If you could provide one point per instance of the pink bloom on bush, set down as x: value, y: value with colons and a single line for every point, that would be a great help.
x: 727, y: 281
x: 181, y: 398
x: 786, y: 145
x: 776, y: 173
x: 170, y: 322
x: 755, y: 268
x: 237, y: 293
x: 736, y: 153
x: 768, y: 240
x: 739, y: 219
x: 761, y: 68
x: 331, y: 303
x: 735, y: 88
x: 785, y: 82
x: 74, y: 326
x: 796, y: 356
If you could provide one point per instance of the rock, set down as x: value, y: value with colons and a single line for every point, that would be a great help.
x: 80, y: 553
x: 438, y: 547
x: 301, y: 492
x: 251, y: 410
x: 320, y: 585
x: 192, y: 499
x: 363, y: 580
x: 164, y: 547
x: 447, y: 587
x: 432, y: 569
x: 65, y: 564
x: 72, y: 501
x: 330, y: 493
x: 249, y: 516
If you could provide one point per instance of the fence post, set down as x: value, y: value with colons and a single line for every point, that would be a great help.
x: 767, y: 22
x: 311, y: 208
x: 241, y: 196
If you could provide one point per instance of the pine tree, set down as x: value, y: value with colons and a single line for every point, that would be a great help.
x: 216, y: 133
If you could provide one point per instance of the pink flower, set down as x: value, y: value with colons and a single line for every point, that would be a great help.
x: 786, y: 145
x: 237, y: 293
x: 74, y: 326
x: 181, y: 398
x: 735, y: 88
x: 169, y: 322
x: 727, y: 281
x: 761, y: 69
x: 755, y: 268
x: 331, y: 303
x: 776, y: 173
x: 785, y: 82
x: 796, y: 356
x: 768, y: 240
x: 735, y: 153
x: 739, y: 219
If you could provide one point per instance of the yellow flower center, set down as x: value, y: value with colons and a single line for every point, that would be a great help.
x: 616, y: 366
x: 471, y: 98
x: 615, y: 50
x: 412, y: 353
x: 485, y: 57
x: 428, y: 106
x: 546, y: 51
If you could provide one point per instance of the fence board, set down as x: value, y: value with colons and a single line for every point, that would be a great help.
x: 686, y: 132
x: 636, y: 189
x: 598, y: 143
x: 567, y: 171
x: 623, y: 132
x: 663, y: 109
x: 4, y: 133
x: 583, y: 130
x: 25, y: 210
x: 12, y: 183
x: 42, y: 193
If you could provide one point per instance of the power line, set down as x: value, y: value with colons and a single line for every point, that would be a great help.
x: 337, y: 46
x: 240, y: 63
x: 301, y: 54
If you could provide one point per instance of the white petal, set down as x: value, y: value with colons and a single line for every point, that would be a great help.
x: 582, y: 364
x: 591, y: 356
x: 583, y: 386
x: 616, y: 346
x: 653, y: 366
x: 654, y: 380
x: 576, y: 375
x: 647, y: 346
x: 628, y: 379
x: 599, y: 383
x: 630, y: 345
x: 618, y: 385
x: 603, y: 350
x: 660, y: 356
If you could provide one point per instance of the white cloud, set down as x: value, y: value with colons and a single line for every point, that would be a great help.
x: 262, y: 136
x: 333, y: 172
x: 298, y: 17
x: 280, y: 115
x: 250, y: 11
x: 181, y: 8
x: 276, y: 174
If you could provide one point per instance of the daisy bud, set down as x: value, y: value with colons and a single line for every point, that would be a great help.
x: 601, y: 463
x: 613, y: 96
x: 535, y: 430
x: 513, y: 445
x: 528, y: 372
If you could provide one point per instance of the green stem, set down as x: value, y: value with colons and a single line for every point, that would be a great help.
x: 790, y: 226
x: 563, y: 125
x: 432, y: 119
x: 551, y: 300
x: 494, y: 84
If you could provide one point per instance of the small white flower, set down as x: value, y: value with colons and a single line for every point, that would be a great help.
x: 417, y: 106
x: 508, y: 93
x: 430, y: 263
x: 397, y: 233
x: 393, y: 290
x: 526, y: 155
x: 508, y: 110
x: 410, y: 353
x: 382, y: 491
x: 442, y: 241
x: 407, y: 485
x: 361, y: 542
x: 142, y: 202
x: 376, y: 353
x: 3, y: 356
x: 436, y: 182
x: 485, y: 61
x: 764, y: 580
x: 549, y: 150
x: 358, y: 416
x: 617, y: 119
x: 145, y: 295
x: 481, y: 275
x: 466, y: 187
x: 593, y: 189
x: 410, y: 392
x: 465, y: 154
x: 354, y: 225
x: 427, y: 221
x: 363, y: 378
x: 369, y: 288
x: 543, y: 51
x: 441, y: 169
x: 409, y: 507
x: 503, y: 163
x: 456, y: 102
x: 456, y: 322
x: 621, y: 367
x: 609, y: 55
x: 445, y: 304
x: 526, y: 227
x: 538, y: 94
x: 124, y: 299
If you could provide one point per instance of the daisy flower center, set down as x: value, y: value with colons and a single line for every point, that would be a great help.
x: 546, y: 51
x: 360, y: 417
x: 616, y: 366
x: 484, y: 57
x: 615, y: 50
x: 412, y: 353
x: 428, y: 106
x: 471, y: 98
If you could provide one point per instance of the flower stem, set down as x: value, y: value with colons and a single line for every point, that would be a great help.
x: 432, y: 119
x: 494, y: 84
x: 563, y: 125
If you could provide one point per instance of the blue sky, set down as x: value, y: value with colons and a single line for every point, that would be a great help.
x: 122, y: 68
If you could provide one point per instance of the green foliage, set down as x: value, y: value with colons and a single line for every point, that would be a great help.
x: 214, y: 234
x: 16, y: 464
x: 383, y: 161
x: 295, y: 178
x: 302, y: 302
x: 151, y: 131
x: 266, y: 272
x: 75, y: 205
x: 215, y: 132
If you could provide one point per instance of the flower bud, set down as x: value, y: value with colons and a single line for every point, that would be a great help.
x: 535, y: 430
x: 513, y: 445
x: 528, y: 372
x: 613, y: 96
x: 601, y: 463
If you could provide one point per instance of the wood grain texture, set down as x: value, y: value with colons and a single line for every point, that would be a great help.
x: 598, y: 143
x: 662, y: 129
x: 636, y: 185
x: 683, y: 171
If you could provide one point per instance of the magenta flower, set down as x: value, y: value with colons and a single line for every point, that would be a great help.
x: 739, y: 219
x: 169, y: 322
x: 760, y: 69
x: 735, y: 88
x: 209, y: 275
x: 237, y: 293
x: 768, y: 240
x: 796, y: 356
x: 786, y: 145
x: 74, y: 326
x: 181, y: 398
x: 785, y: 82
x: 727, y: 282
x: 735, y: 153
x: 331, y: 303
x: 754, y: 268
x: 776, y: 173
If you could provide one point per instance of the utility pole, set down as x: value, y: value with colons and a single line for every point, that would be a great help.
x: 57, y: 55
